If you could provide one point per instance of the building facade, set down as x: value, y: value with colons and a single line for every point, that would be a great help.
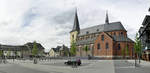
x: 20, y: 50
x: 105, y: 40
x: 59, y: 51
x: 144, y: 36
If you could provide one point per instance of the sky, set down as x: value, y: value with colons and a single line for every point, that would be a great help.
x: 49, y: 21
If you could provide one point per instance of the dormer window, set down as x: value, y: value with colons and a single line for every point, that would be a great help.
x: 87, y: 32
x: 97, y: 30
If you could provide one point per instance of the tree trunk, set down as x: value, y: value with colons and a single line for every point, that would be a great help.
x: 139, y: 59
x: 135, y: 60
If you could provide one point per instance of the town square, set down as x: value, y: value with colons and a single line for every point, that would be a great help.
x: 74, y: 36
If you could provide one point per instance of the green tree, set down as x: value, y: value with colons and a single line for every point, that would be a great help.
x: 8, y: 53
x: 137, y: 47
x: 1, y: 53
x: 86, y: 49
x: 73, y: 49
x: 35, y: 49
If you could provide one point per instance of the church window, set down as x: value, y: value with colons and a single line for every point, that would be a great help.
x: 121, y: 33
x: 98, y: 46
x: 107, y: 45
x: 119, y: 47
x: 102, y: 37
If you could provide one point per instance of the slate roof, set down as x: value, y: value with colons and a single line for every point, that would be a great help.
x: 115, y: 38
x: 14, y: 48
x: 146, y: 20
x: 76, y: 26
x: 102, y: 28
x: 27, y: 46
x: 30, y: 45
x: 56, y: 49
x: 60, y: 48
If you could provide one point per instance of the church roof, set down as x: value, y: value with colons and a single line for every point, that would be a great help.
x: 76, y: 26
x: 115, y: 38
x: 146, y: 20
x: 102, y: 28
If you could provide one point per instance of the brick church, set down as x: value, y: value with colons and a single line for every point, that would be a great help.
x: 104, y: 40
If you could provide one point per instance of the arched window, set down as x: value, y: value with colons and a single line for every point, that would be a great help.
x: 72, y: 36
x: 102, y: 37
x: 119, y: 47
x: 114, y: 33
x: 107, y: 46
x: 98, y: 46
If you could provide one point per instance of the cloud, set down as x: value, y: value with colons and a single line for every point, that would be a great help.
x: 50, y: 21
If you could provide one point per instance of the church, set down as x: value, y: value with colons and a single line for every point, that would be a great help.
x: 108, y: 40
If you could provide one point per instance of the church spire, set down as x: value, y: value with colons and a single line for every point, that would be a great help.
x: 76, y: 26
x: 107, y: 19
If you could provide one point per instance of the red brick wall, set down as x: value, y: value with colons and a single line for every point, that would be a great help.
x: 123, y: 45
x: 103, y: 51
x: 113, y: 46
x: 117, y: 33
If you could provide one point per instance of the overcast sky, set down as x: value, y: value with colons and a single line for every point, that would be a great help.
x: 50, y: 21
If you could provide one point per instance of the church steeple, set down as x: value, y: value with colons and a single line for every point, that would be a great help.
x: 76, y: 26
x: 107, y: 19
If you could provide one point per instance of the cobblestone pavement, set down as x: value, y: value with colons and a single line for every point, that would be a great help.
x: 88, y: 66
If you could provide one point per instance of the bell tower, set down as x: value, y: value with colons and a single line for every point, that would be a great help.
x: 76, y: 29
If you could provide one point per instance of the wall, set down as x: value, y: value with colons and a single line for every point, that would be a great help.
x: 103, y: 52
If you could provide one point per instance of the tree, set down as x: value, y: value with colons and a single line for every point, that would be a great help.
x: 137, y: 47
x: 73, y: 49
x: 86, y: 49
x: 8, y: 53
x: 35, y: 49
x: 1, y: 53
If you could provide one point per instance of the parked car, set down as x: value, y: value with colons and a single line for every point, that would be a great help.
x: 73, y: 62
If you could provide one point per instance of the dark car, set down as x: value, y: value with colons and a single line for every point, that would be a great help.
x: 73, y: 62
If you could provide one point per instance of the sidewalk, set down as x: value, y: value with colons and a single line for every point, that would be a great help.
x: 142, y: 63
